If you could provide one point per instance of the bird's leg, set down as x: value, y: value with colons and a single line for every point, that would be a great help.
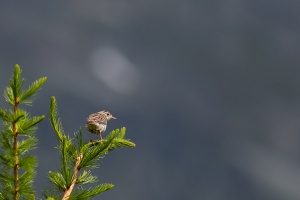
x: 100, y: 137
x: 91, y: 140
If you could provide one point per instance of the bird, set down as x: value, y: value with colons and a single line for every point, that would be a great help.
x: 96, y: 123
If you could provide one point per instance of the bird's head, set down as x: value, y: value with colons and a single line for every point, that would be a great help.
x: 107, y: 115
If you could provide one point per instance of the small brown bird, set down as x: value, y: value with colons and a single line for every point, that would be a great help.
x: 96, y: 123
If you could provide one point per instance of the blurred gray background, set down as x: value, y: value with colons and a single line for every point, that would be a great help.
x: 208, y: 90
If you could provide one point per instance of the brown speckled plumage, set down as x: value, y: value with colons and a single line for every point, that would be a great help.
x: 96, y: 123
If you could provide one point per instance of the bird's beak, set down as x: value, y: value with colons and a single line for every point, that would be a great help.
x: 113, y: 117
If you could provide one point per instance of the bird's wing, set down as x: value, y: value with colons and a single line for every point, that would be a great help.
x: 96, y: 119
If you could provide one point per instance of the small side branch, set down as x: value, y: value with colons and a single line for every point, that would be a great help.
x: 74, y: 178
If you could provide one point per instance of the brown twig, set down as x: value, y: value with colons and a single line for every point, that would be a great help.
x: 16, y: 160
x: 74, y: 178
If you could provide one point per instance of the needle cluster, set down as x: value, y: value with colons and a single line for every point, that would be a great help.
x: 77, y: 158
x: 17, y: 139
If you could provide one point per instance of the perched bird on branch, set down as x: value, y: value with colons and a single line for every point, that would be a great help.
x: 96, y: 123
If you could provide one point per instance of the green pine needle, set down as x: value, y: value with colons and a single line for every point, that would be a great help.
x: 66, y: 164
x: 122, y: 133
x: 9, y: 96
x: 86, y: 178
x: 31, y: 91
x: 58, y: 180
x: 28, y: 126
x: 28, y: 162
x: 27, y: 145
x: 55, y: 121
x: 120, y: 143
x: 91, y: 192
x: 6, y: 115
x: 5, y: 177
x: 16, y: 82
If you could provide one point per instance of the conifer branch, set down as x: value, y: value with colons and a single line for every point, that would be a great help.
x: 80, y: 156
x: 18, y: 169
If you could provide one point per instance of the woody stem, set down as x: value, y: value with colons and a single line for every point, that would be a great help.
x: 74, y: 178
x: 16, y: 195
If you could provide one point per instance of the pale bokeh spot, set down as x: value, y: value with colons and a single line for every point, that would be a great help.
x: 115, y: 70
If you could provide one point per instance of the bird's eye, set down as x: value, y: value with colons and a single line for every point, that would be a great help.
x: 107, y: 114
